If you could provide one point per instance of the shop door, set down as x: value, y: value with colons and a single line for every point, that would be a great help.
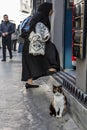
x: 68, y: 37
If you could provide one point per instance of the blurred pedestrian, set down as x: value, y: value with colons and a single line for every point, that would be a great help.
x: 0, y: 42
x: 6, y: 29
x: 40, y: 56
x: 14, y: 38
x: 20, y: 40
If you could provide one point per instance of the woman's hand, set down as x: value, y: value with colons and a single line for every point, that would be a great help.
x: 52, y: 70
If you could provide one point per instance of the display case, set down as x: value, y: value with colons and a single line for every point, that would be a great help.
x: 79, y: 28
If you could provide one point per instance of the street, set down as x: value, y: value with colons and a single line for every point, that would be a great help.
x: 22, y: 109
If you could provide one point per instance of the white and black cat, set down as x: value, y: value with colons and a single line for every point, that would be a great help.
x: 58, y: 105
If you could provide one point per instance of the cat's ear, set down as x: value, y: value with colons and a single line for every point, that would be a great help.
x: 60, y: 88
x: 54, y: 86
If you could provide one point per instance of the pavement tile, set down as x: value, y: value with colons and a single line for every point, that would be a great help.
x: 22, y: 109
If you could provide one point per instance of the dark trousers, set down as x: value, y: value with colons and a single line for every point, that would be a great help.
x: 6, y: 43
x: 13, y: 44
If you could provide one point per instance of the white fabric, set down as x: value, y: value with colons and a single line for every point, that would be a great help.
x: 38, y: 38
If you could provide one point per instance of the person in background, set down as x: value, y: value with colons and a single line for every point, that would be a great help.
x: 14, y: 38
x: 20, y: 40
x: 1, y: 36
x: 39, y: 56
x: 0, y: 41
x: 6, y: 29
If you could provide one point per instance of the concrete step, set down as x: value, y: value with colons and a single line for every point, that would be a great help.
x: 76, y: 98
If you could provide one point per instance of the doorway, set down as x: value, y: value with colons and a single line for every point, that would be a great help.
x: 68, y: 37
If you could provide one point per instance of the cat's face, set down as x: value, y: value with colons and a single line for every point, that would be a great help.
x: 57, y: 89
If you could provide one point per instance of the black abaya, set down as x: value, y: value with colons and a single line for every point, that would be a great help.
x: 37, y: 66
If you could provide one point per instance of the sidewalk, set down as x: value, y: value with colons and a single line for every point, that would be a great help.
x: 22, y: 109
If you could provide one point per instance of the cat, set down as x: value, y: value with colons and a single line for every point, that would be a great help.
x: 58, y: 105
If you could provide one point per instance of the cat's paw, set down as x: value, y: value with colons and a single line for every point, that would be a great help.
x: 51, y: 114
x: 58, y: 116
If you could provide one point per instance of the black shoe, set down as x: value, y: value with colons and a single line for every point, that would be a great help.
x: 3, y: 60
x: 10, y: 57
x: 31, y: 86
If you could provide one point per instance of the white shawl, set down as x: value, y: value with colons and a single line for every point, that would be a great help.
x: 38, y: 38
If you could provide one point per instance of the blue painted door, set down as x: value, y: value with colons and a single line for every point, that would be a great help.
x: 68, y: 38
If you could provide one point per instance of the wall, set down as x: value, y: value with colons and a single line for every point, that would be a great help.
x: 58, y: 27
x: 81, y: 73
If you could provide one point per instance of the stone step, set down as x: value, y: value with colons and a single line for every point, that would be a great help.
x: 69, y: 83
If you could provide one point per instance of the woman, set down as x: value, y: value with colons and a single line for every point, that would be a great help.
x: 47, y: 60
